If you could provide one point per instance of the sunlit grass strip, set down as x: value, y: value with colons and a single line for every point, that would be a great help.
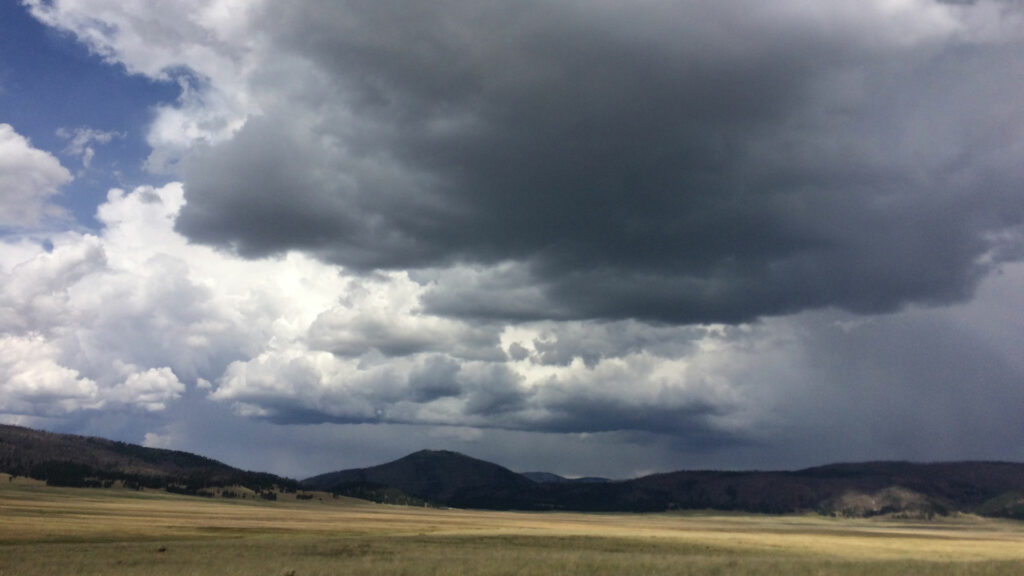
x: 45, y: 530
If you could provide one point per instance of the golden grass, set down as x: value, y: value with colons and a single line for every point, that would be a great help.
x: 46, y: 530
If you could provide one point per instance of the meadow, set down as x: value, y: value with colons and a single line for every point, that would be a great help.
x: 48, y: 530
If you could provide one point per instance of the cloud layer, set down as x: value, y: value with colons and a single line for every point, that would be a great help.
x: 693, y: 162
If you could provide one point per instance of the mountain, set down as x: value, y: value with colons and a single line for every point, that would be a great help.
x: 69, y: 460
x: 545, y: 477
x: 549, y: 478
x: 436, y: 476
x: 440, y: 477
x: 867, y: 489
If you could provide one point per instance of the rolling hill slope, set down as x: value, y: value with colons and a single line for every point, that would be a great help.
x: 69, y: 460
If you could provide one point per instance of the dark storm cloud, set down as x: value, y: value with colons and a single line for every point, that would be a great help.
x: 685, y: 162
x: 688, y: 421
x: 436, y: 379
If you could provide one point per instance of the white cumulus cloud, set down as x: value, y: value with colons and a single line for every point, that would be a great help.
x: 29, y: 180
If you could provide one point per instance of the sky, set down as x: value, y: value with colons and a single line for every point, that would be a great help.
x: 585, y: 237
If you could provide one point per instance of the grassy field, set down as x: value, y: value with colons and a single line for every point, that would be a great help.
x: 45, y: 530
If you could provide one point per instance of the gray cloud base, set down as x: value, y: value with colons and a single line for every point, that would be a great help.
x: 672, y: 162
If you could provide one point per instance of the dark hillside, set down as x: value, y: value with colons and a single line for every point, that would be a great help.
x: 549, y: 478
x: 961, y: 483
x: 69, y: 460
x: 450, y: 479
x: 544, y: 477
x: 854, y: 489
x: 437, y: 476
x: 873, y: 488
